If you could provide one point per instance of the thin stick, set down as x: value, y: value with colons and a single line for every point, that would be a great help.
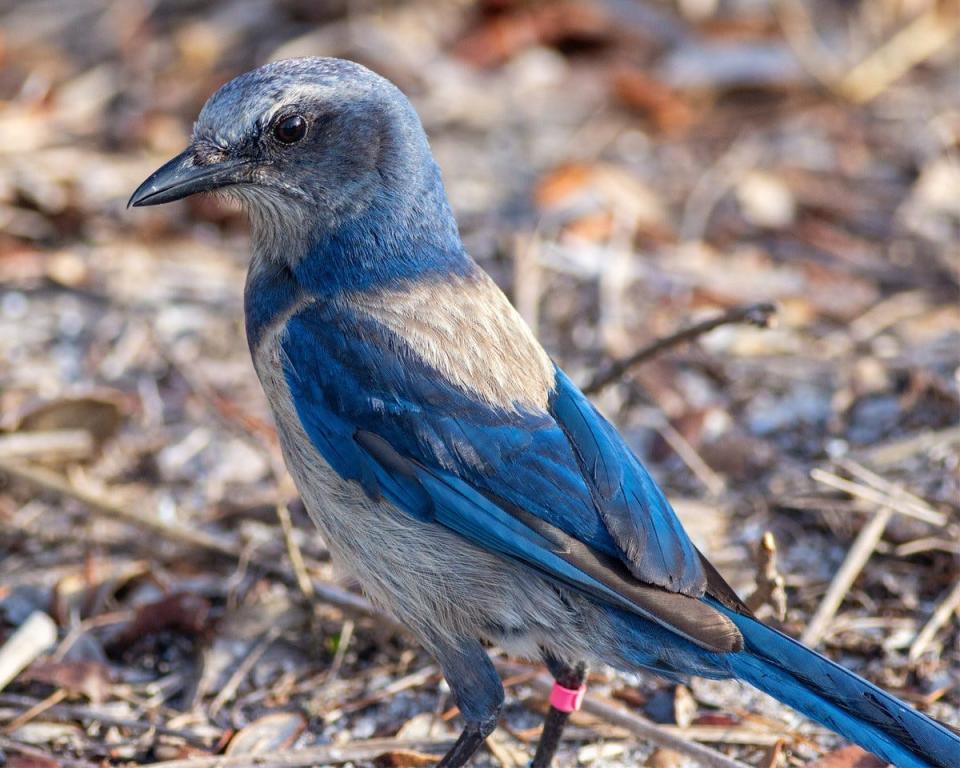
x: 51, y: 481
x: 229, y: 690
x: 898, y: 492
x: 36, y: 710
x: 30, y: 640
x: 753, y: 314
x: 42, y: 756
x: 85, y: 713
x: 56, y: 444
x: 658, y: 420
x: 357, y: 751
x: 48, y: 480
x: 856, y: 558
x: 293, y: 551
x: 346, y: 633
x: 948, y: 606
x: 897, y: 451
x: 913, y: 44
x: 904, y: 505
x: 640, y: 726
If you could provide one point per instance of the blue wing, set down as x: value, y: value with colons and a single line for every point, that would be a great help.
x: 558, y: 490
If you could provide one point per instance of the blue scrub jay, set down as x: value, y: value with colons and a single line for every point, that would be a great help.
x: 472, y: 489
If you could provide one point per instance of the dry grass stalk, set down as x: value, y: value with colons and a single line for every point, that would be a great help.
x: 27, y: 643
x: 947, y: 608
x: 863, y: 546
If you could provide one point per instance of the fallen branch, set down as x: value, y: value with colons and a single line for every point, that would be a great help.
x: 856, y: 558
x: 947, y: 607
x: 50, y: 445
x: 752, y: 314
x: 357, y: 751
x: 637, y: 725
x: 47, y: 480
x: 913, y: 44
x: 42, y: 757
x: 900, y: 503
x: 29, y: 641
x: 67, y: 712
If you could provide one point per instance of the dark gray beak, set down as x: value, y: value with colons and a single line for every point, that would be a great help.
x: 181, y: 177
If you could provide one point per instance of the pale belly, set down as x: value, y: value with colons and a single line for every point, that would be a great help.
x: 431, y: 579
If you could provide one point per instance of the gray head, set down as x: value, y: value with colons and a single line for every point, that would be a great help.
x: 304, y: 144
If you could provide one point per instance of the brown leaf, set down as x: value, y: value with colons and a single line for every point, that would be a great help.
x: 500, y: 37
x: 631, y: 696
x: 31, y: 761
x: 181, y: 612
x: 405, y: 758
x: 849, y: 757
x: 269, y: 733
x: 665, y: 758
x: 100, y: 415
x: 658, y: 103
x: 717, y: 719
x: 89, y: 678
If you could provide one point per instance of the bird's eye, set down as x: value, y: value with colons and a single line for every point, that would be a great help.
x: 290, y: 129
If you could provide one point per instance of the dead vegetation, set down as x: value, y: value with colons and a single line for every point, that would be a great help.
x: 626, y: 170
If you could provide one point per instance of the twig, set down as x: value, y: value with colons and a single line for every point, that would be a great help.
x: 51, y: 481
x: 896, y: 451
x: 527, y: 278
x: 912, y: 45
x: 413, y: 680
x: 293, y: 549
x: 42, y: 756
x: 36, y: 710
x: 47, y: 480
x: 657, y: 419
x: 343, y: 642
x: 724, y: 734
x: 903, y: 505
x: 243, y: 669
x: 948, y: 606
x: 82, y: 712
x: 637, y: 725
x: 32, y: 638
x: 856, y: 558
x: 770, y: 589
x: 357, y: 751
x: 52, y: 444
x: 754, y: 314
x: 898, y: 492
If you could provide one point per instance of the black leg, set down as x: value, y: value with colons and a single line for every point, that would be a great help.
x: 469, y: 742
x: 572, y: 679
x: 475, y: 684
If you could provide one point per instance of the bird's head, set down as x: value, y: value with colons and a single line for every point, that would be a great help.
x: 305, y: 144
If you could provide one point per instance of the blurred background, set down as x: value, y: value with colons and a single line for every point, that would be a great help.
x: 623, y: 168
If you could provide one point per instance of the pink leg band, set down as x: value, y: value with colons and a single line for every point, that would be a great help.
x: 566, y: 699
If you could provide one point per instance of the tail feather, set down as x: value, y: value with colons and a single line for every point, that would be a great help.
x: 839, y: 699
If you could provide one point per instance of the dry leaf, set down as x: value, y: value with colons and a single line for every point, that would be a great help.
x: 89, y: 678
x: 269, y: 733
x: 849, y: 757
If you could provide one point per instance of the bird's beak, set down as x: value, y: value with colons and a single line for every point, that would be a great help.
x: 181, y: 177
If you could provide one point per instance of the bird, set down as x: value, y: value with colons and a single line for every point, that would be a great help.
x: 451, y: 466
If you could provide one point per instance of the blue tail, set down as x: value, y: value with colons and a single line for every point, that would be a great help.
x: 838, y: 699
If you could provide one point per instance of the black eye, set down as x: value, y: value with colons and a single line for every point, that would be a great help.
x: 290, y: 129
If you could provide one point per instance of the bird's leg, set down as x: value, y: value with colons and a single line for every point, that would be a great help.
x: 564, y: 699
x: 476, y: 686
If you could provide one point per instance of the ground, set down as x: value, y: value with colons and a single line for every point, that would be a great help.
x: 624, y: 170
